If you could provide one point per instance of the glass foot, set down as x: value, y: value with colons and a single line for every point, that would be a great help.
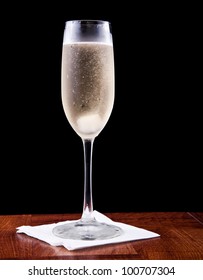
x: 92, y: 230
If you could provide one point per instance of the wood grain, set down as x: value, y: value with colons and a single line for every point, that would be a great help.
x: 181, y: 237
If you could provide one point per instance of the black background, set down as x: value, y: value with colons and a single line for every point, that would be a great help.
x: 147, y: 158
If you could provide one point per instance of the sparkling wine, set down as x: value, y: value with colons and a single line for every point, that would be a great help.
x: 87, y: 86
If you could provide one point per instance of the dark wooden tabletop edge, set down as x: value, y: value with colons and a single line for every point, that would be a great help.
x: 198, y: 216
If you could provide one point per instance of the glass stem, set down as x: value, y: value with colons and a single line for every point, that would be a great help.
x: 87, y: 214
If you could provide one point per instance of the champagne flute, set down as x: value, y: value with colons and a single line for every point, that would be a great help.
x: 87, y: 96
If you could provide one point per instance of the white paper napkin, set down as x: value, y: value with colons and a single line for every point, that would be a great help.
x: 44, y: 233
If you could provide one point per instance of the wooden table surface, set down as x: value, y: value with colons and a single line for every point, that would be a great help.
x: 181, y: 237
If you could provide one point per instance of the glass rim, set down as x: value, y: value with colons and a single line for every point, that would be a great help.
x: 90, y: 21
